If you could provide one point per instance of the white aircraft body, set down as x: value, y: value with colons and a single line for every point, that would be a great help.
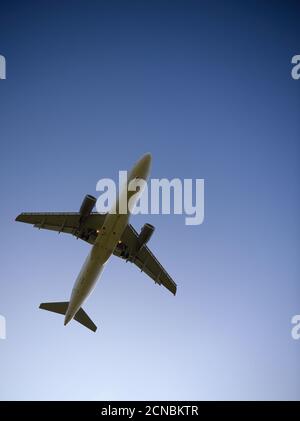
x: 108, y: 237
x: 109, y: 234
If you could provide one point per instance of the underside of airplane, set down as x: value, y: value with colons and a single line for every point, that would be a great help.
x: 85, y: 225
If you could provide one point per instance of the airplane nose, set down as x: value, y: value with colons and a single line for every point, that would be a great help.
x: 143, y: 166
x: 147, y: 158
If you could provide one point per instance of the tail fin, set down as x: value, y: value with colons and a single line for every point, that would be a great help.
x: 61, y: 308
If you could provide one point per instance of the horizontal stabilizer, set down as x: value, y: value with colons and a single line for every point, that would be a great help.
x: 83, y: 318
x: 62, y: 307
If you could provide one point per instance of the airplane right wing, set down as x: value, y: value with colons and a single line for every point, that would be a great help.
x: 67, y: 222
x: 144, y: 259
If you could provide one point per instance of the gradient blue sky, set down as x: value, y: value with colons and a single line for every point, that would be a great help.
x: 206, y: 87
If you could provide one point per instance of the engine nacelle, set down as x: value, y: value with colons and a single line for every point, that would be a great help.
x: 87, y: 206
x: 145, y: 235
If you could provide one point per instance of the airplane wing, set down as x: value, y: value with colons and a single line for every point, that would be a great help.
x: 67, y: 222
x: 143, y: 259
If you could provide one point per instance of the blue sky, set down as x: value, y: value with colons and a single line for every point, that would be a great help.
x: 206, y: 87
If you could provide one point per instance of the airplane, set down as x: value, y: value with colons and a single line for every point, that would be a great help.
x: 109, y: 234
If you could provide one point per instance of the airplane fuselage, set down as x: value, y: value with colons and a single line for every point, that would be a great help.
x: 108, y: 236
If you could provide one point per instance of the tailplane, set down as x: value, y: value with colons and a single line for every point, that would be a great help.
x: 62, y: 307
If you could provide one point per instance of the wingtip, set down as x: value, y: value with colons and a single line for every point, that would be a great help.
x: 18, y: 217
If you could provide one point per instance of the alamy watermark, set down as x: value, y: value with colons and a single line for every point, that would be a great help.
x: 295, y: 332
x: 296, y: 68
x: 163, y: 196
x: 2, y: 67
x: 2, y: 327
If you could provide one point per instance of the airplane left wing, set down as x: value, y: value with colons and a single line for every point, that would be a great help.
x: 67, y: 222
x: 144, y: 259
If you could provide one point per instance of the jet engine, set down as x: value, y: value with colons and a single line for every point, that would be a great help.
x: 145, y: 235
x: 87, y: 206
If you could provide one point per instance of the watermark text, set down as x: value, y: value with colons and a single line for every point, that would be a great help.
x: 2, y: 67
x: 160, y: 197
x: 2, y: 327
x: 296, y: 68
x: 295, y: 332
